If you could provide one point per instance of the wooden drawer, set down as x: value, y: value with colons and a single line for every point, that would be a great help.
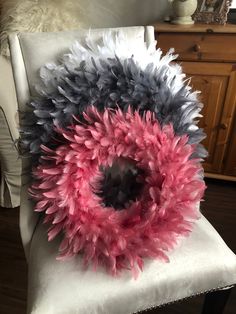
x: 199, y: 46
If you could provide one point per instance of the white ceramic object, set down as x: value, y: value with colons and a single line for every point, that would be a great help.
x: 183, y: 11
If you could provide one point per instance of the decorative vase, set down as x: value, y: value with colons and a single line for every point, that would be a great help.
x: 183, y: 11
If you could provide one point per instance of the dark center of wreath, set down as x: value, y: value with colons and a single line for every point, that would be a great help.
x: 121, y: 184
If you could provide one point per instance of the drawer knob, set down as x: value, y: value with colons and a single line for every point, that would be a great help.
x: 196, y: 48
x: 224, y: 126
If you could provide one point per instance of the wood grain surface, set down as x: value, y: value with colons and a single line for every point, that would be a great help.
x: 195, y: 28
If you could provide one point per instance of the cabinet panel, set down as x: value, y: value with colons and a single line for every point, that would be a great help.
x: 185, y: 45
x: 230, y: 161
x: 229, y: 118
x: 213, y: 84
x: 226, y: 134
x: 201, y: 47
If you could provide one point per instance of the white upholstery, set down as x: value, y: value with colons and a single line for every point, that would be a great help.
x: 29, y: 51
x: 202, y: 262
x: 10, y: 162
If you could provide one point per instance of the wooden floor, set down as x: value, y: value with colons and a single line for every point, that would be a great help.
x: 219, y: 207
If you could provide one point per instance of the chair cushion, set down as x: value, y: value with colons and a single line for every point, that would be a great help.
x: 201, y: 263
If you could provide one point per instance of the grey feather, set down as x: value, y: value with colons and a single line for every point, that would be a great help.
x: 68, y: 89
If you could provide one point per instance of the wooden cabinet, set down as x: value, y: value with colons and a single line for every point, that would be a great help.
x: 207, y: 54
x: 230, y: 161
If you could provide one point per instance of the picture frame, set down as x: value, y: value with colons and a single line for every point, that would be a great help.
x: 212, y: 11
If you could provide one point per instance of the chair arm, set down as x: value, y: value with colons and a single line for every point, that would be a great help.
x: 8, y: 102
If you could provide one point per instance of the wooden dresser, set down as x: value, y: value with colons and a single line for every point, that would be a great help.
x: 208, y: 55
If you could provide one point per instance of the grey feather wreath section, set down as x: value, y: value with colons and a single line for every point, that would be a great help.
x: 68, y: 90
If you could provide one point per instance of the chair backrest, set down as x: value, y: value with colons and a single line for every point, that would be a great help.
x: 29, y: 51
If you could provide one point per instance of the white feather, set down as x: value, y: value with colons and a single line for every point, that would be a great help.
x: 120, y: 45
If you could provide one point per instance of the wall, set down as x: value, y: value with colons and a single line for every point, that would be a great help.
x: 113, y: 13
x: 94, y: 13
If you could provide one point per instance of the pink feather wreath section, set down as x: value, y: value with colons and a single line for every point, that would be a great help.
x: 68, y: 186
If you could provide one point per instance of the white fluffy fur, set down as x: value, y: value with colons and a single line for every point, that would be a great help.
x: 37, y: 16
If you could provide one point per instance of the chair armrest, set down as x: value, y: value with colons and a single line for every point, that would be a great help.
x: 8, y: 102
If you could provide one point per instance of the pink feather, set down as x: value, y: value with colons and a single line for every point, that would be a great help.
x: 148, y: 227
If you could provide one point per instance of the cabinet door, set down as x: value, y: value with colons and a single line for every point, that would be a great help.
x: 213, y: 80
x: 230, y: 160
x: 229, y: 117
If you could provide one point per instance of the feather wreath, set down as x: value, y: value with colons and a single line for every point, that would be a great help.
x: 116, y: 144
x: 114, y: 72
x: 162, y: 206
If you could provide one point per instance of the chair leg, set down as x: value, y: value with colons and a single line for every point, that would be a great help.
x: 215, y: 301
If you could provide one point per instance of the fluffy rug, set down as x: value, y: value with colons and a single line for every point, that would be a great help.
x: 37, y: 16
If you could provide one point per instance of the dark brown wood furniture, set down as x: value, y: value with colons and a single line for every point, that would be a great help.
x: 208, y: 55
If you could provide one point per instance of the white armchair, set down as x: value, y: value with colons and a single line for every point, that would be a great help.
x: 202, y: 263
